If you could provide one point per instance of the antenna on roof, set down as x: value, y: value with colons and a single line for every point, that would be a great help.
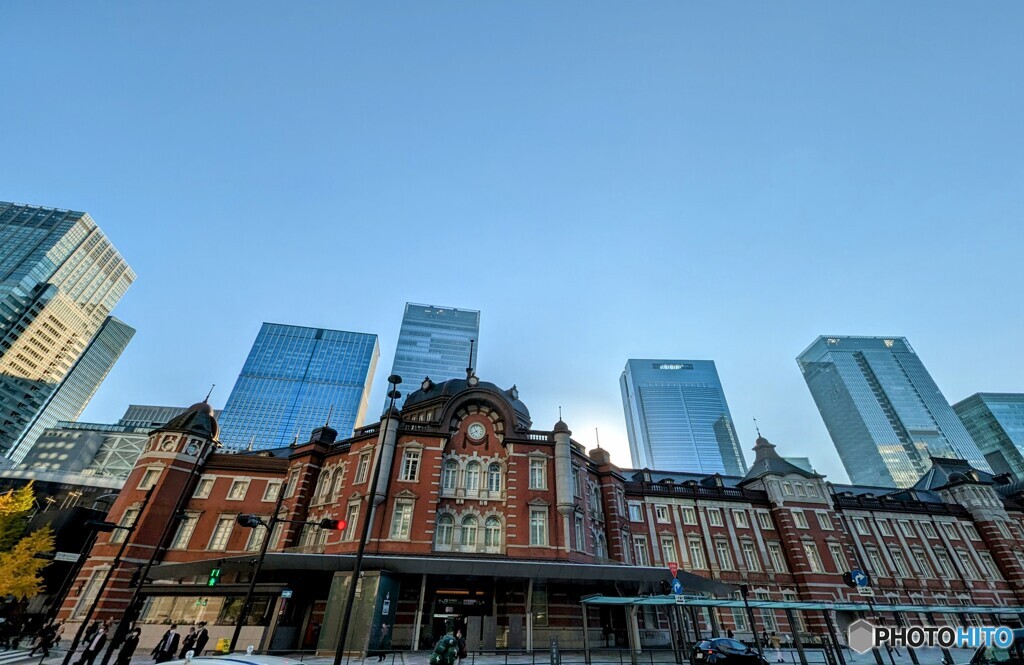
x: 559, y: 411
x: 207, y: 400
x: 469, y: 369
x: 757, y: 428
x: 329, y: 414
x: 597, y: 436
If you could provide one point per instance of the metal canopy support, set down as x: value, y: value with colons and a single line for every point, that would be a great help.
x: 586, y: 635
x: 834, y: 637
x: 796, y: 636
x: 418, y: 621
x: 633, y: 633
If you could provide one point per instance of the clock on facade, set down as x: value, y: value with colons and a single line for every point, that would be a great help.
x: 192, y: 449
x: 476, y: 432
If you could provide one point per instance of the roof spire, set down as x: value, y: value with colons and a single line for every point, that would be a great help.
x: 329, y: 414
x: 597, y: 436
x: 757, y: 428
x: 469, y: 368
x: 207, y: 399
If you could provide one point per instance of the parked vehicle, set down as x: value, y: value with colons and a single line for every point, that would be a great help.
x: 1012, y: 655
x: 725, y: 651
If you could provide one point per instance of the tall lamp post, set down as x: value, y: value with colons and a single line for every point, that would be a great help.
x: 393, y: 381
x: 105, y: 527
x: 131, y: 612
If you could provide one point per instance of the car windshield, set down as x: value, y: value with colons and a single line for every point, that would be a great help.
x: 731, y: 646
x: 1014, y: 654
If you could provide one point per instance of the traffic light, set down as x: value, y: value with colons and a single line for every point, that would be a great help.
x: 333, y: 525
x: 249, y: 521
x: 214, y: 577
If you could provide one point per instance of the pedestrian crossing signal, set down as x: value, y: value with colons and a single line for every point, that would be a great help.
x: 214, y: 577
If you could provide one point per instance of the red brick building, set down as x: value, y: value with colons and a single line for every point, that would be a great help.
x: 483, y: 522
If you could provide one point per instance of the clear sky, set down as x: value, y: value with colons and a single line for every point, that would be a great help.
x: 601, y: 180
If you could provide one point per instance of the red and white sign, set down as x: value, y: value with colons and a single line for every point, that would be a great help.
x: 673, y: 568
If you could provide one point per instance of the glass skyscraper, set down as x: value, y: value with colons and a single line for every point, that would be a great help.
x: 677, y: 418
x: 290, y: 382
x: 996, y: 423
x: 434, y: 342
x: 882, y: 409
x: 59, y: 280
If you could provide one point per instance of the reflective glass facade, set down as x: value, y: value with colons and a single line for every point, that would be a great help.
x: 882, y: 409
x: 677, y: 418
x: 73, y: 394
x: 996, y: 423
x: 59, y: 280
x: 434, y: 342
x: 290, y: 381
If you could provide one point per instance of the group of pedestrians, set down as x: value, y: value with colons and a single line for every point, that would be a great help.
x: 170, y: 647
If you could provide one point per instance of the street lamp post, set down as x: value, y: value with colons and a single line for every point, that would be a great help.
x: 393, y: 381
x: 105, y: 527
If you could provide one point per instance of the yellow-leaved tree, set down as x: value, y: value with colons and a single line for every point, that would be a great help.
x: 14, y: 508
x: 20, y: 569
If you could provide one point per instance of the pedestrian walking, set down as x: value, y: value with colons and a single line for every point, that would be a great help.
x: 94, y: 646
x: 167, y: 648
x: 777, y: 645
x: 202, y: 637
x: 131, y: 642
x: 188, y: 643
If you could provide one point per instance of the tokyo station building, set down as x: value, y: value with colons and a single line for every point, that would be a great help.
x: 484, y: 523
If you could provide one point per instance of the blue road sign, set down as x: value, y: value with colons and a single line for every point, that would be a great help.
x: 677, y: 587
x: 859, y: 577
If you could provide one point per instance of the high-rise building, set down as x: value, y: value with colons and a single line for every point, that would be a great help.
x: 996, y: 423
x: 59, y: 280
x: 76, y: 390
x: 677, y: 418
x: 435, y: 342
x: 886, y: 416
x: 294, y: 378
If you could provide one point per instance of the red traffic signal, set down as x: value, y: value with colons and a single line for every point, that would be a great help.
x: 333, y: 525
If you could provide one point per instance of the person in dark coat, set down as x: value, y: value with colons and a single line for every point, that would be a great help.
x: 202, y: 637
x: 188, y: 643
x: 94, y: 646
x: 167, y: 648
x: 46, y: 637
x: 131, y: 642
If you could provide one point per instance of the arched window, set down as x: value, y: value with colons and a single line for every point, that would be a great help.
x: 492, y: 532
x: 600, y: 549
x: 325, y: 484
x: 451, y: 470
x: 445, y: 530
x: 469, y: 529
x: 494, y: 478
x: 472, y: 477
x: 337, y: 483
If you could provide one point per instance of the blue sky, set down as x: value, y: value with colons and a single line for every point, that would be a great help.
x: 602, y: 180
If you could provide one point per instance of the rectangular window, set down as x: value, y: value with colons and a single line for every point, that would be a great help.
x: 824, y: 521
x: 1003, y: 530
x: 401, y: 521
x: 861, y: 525
x: 149, y: 479
x: 714, y: 517
x: 537, y: 479
x: 968, y: 565
x: 899, y: 562
x: 185, y: 530
x: 800, y: 519
x: 877, y: 568
x: 256, y: 538
x: 787, y: 489
x: 906, y: 528
x: 661, y: 514
x: 635, y: 514
x: 640, y: 551
x: 740, y: 518
x: 697, y: 555
x: 668, y: 549
x: 410, y: 465
x: 203, y: 488
x: 723, y: 555
x: 838, y: 557
x: 351, y: 519
x: 922, y: 563
x: 538, y: 526
x: 739, y: 618
x: 750, y: 557
x: 88, y: 595
x: 990, y: 565
x: 127, y: 521
x: 765, y: 520
x: 221, y: 533
x: 272, y: 491
x: 767, y: 616
x: 972, y: 532
x: 800, y: 491
x: 238, y: 490
x: 929, y: 532
x: 883, y: 527
x: 777, y: 557
x: 293, y: 481
x: 812, y: 490
x: 950, y: 531
x: 275, y: 538
x: 540, y: 605
x: 813, y: 559
x: 363, y: 469
x: 581, y: 544
x: 689, y: 515
x: 576, y: 482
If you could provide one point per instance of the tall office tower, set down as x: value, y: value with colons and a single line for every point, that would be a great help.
x: 996, y: 423
x: 677, y: 418
x: 59, y: 280
x: 885, y: 414
x: 293, y: 379
x: 435, y: 342
x: 73, y: 394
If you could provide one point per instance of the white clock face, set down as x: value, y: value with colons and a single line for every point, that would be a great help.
x: 476, y: 431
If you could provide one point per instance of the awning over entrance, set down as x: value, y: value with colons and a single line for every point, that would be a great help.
x: 437, y: 565
x: 686, y: 601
